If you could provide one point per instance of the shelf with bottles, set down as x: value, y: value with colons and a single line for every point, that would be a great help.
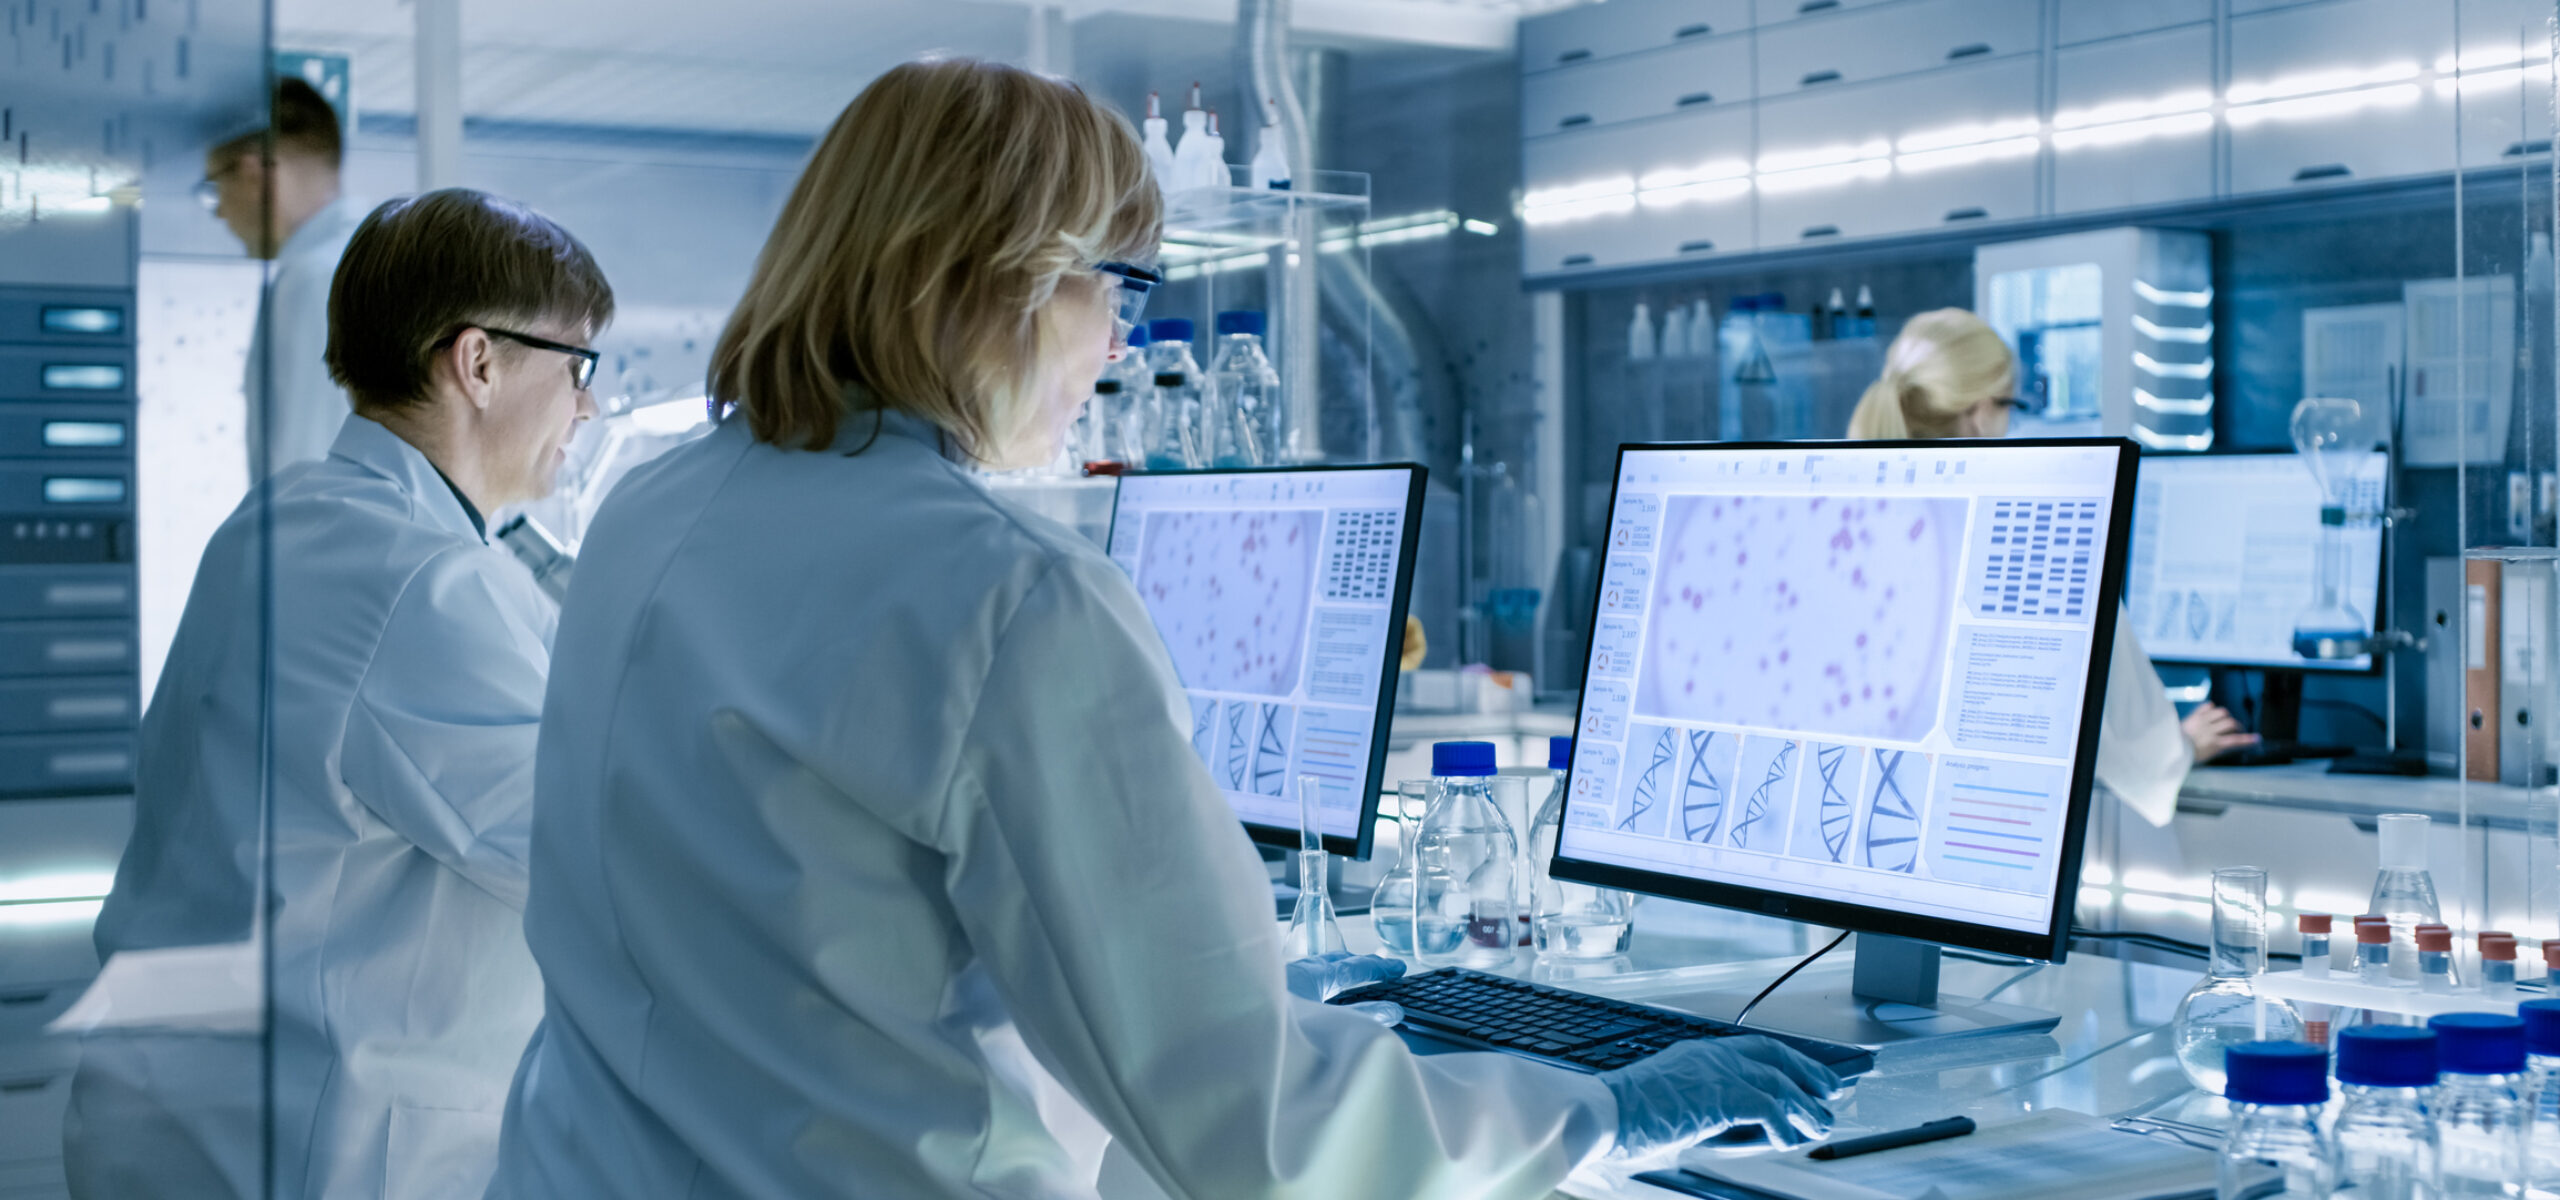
x: 1207, y: 223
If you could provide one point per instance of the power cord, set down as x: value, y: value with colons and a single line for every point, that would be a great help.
x: 1801, y: 964
x: 2153, y: 941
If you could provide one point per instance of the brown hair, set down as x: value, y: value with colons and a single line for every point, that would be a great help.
x: 422, y: 269
x: 910, y: 266
x: 1944, y: 363
x: 301, y: 122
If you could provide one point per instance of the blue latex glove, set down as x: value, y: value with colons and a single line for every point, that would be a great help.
x: 1699, y: 1089
x: 1320, y: 977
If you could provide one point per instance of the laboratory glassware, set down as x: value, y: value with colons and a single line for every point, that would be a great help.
x: 1570, y: 920
x: 1159, y: 151
x: 2542, y: 1096
x: 2335, y: 437
x: 1866, y: 318
x: 1391, y: 904
x: 2384, y: 1136
x: 1174, y: 439
x: 1313, y: 930
x: 1270, y: 158
x: 1125, y: 426
x: 1244, y: 395
x: 1640, y: 340
x: 1194, y: 144
x: 2315, y: 943
x: 2225, y: 1009
x: 1675, y: 332
x: 2498, y: 964
x: 2373, y: 950
x: 2479, y: 1104
x: 2435, y: 959
x: 2404, y: 892
x: 1210, y: 169
x: 2276, y: 1092
x: 1466, y: 865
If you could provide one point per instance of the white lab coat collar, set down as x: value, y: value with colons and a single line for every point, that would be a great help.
x: 368, y: 443
x: 860, y: 425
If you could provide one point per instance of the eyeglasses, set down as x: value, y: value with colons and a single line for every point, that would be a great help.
x: 208, y: 192
x: 582, y: 361
x: 2033, y: 403
x: 1129, y: 300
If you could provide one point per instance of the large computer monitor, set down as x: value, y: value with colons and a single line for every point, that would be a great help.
x: 1281, y: 596
x: 2223, y: 557
x: 1856, y: 684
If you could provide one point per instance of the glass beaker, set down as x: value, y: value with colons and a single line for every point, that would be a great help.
x: 2225, y: 1009
x: 1391, y: 905
x: 1571, y: 920
x: 1466, y: 870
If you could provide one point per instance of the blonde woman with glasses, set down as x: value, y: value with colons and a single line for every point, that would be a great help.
x: 871, y: 857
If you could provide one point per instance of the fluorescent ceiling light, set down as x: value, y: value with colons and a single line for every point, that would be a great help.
x: 2155, y: 440
x: 1967, y: 135
x: 2334, y: 104
x: 2126, y: 132
x: 1809, y: 178
x: 2326, y: 79
x: 2167, y: 298
x: 2193, y: 101
x: 2480, y: 58
x: 1694, y: 193
x: 1823, y: 156
x: 1966, y: 156
x: 1576, y: 210
x: 1590, y: 189
x: 2192, y: 335
x: 1706, y: 172
x: 57, y: 885
x: 2197, y: 407
x: 2161, y: 370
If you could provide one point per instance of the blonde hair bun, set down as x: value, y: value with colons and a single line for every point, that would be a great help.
x: 1944, y: 363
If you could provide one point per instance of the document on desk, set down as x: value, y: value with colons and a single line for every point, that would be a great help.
x: 2053, y: 1155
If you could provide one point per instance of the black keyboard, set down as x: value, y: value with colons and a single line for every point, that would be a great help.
x: 1574, y: 1029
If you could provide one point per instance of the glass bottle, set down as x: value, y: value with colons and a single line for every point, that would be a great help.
x: 2276, y: 1091
x: 2479, y: 1105
x: 1466, y: 865
x: 2404, y: 891
x: 1313, y: 930
x: 1173, y: 404
x: 2542, y: 1097
x: 2225, y: 1009
x: 1124, y: 417
x: 2385, y: 1136
x: 1391, y: 905
x: 1570, y: 920
x: 1244, y: 395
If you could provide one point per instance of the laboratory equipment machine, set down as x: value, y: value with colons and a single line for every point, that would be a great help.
x: 1856, y: 685
x: 1281, y: 596
x: 2113, y: 327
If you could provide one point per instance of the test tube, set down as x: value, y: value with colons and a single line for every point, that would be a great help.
x: 2551, y: 964
x: 2435, y: 958
x: 2315, y: 944
x: 2373, y: 950
x: 2315, y: 1023
x: 2498, y: 964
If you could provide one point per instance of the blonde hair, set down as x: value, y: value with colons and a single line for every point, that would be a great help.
x: 911, y: 266
x: 1945, y: 364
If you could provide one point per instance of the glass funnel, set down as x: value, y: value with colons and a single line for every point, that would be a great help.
x: 2225, y: 1009
x: 2334, y: 437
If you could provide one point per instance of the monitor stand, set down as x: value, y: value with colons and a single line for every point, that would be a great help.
x: 1892, y: 1000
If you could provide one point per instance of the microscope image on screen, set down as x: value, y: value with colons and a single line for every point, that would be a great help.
x: 1229, y: 591
x: 1833, y: 612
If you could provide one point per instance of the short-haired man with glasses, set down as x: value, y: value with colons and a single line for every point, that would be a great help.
x: 356, y: 684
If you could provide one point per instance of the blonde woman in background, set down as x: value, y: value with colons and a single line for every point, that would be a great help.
x: 1948, y: 375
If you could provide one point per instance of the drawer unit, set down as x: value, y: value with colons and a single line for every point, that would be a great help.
x: 2393, y: 124
x: 99, y: 372
x: 2132, y: 124
x: 31, y: 538
x: 33, y: 1096
x: 81, y: 704
x: 1590, y: 32
x: 1779, y: 12
x: 25, y: 1008
x: 76, y: 431
x: 2506, y: 111
x: 66, y: 489
x: 1683, y: 185
x: 65, y: 592
x: 66, y: 316
x: 1853, y: 46
x: 2079, y: 21
x: 66, y: 764
x: 1993, y: 180
x: 1709, y: 71
x: 57, y: 648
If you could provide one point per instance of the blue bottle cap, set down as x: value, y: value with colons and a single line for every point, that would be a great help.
x: 1241, y: 321
x: 1169, y: 329
x: 1559, y: 753
x: 2276, y: 1073
x: 1462, y: 758
x: 2478, y: 1043
x: 2541, y: 1026
x: 1137, y: 338
x: 2394, y: 1056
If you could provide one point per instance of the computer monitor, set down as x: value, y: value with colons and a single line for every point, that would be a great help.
x: 1281, y: 597
x: 2224, y: 547
x: 1856, y: 684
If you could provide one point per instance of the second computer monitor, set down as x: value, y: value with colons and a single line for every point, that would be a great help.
x: 1281, y: 597
x: 2224, y: 554
x: 1856, y: 684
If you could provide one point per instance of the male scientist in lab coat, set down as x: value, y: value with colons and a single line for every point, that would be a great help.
x: 277, y: 190
x: 352, y: 630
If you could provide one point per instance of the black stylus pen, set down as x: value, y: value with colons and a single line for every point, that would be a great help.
x: 1934, y: 1131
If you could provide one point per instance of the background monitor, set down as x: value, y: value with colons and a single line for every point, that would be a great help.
x: 1281, y: 597
x: 2223, y: 553
x: 1855, y: 684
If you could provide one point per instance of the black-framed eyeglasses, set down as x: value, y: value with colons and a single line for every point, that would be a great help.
x: 1129, y: 300
x: 582, y: 361
x: 208, y: 192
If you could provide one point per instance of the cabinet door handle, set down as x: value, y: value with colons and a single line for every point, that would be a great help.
x: 1699, y: 246
x: 2521, y: 149
x: 1967, y: 214
x: 17, y: 998
x: 2323, y: 171
x: 1820, y: 231
x: 1574, y: 120
x: 1577, y: 260
x: 1694, y: 98
x: 18, y: 1086
x: 1813, y: 77
x: 1690, y: 31
x: 1571, y: 56
x: 1815, y: 6
x: 1971, y: 50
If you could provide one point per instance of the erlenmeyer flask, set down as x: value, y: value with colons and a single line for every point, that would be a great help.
x: 1312, y: 927
x: 2225, y: 1009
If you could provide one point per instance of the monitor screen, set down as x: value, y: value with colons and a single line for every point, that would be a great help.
x: 1281, y: 598
x: 2224, y: 547
x: 1853, y: 683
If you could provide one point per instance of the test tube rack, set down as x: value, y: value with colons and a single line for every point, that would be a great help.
x: 2343, y: 990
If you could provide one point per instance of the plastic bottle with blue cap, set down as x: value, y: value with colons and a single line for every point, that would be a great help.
x: 2385, y: 1135
x: 1173, y: 404
x: 1244, y: 395
x: 1466, y: 865
x: 2274, y: 1148
x: 1570, y: 921
x: 2542, y: 1095
x: 2479, y: 1105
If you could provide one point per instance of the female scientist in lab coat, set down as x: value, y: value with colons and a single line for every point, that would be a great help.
x: 871, y: 856
x: 1948, y: 375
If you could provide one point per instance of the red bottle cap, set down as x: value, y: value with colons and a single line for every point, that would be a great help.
x: 2312, y: 922
x: 2496, y: 946
x: 2373, y: 931
x: 2435, y: 939
x: 2551, y: 953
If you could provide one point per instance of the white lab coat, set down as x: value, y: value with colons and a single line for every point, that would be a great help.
x: 294, y: 410
x: 397, y: 704
x: 873, y: 860
x: 2143, y: 755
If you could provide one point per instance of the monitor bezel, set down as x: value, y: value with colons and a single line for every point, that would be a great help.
x: 2381, y: 593
x: 2053, y: 943
x: 1409, y: 544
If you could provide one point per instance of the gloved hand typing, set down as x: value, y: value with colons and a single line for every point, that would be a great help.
x: 1320, y: 977
x: 1701, y: 1088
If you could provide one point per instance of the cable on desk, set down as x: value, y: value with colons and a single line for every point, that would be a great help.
x: 2014, y: 980
x: 2153, y: 941
x: 1801, y: 964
